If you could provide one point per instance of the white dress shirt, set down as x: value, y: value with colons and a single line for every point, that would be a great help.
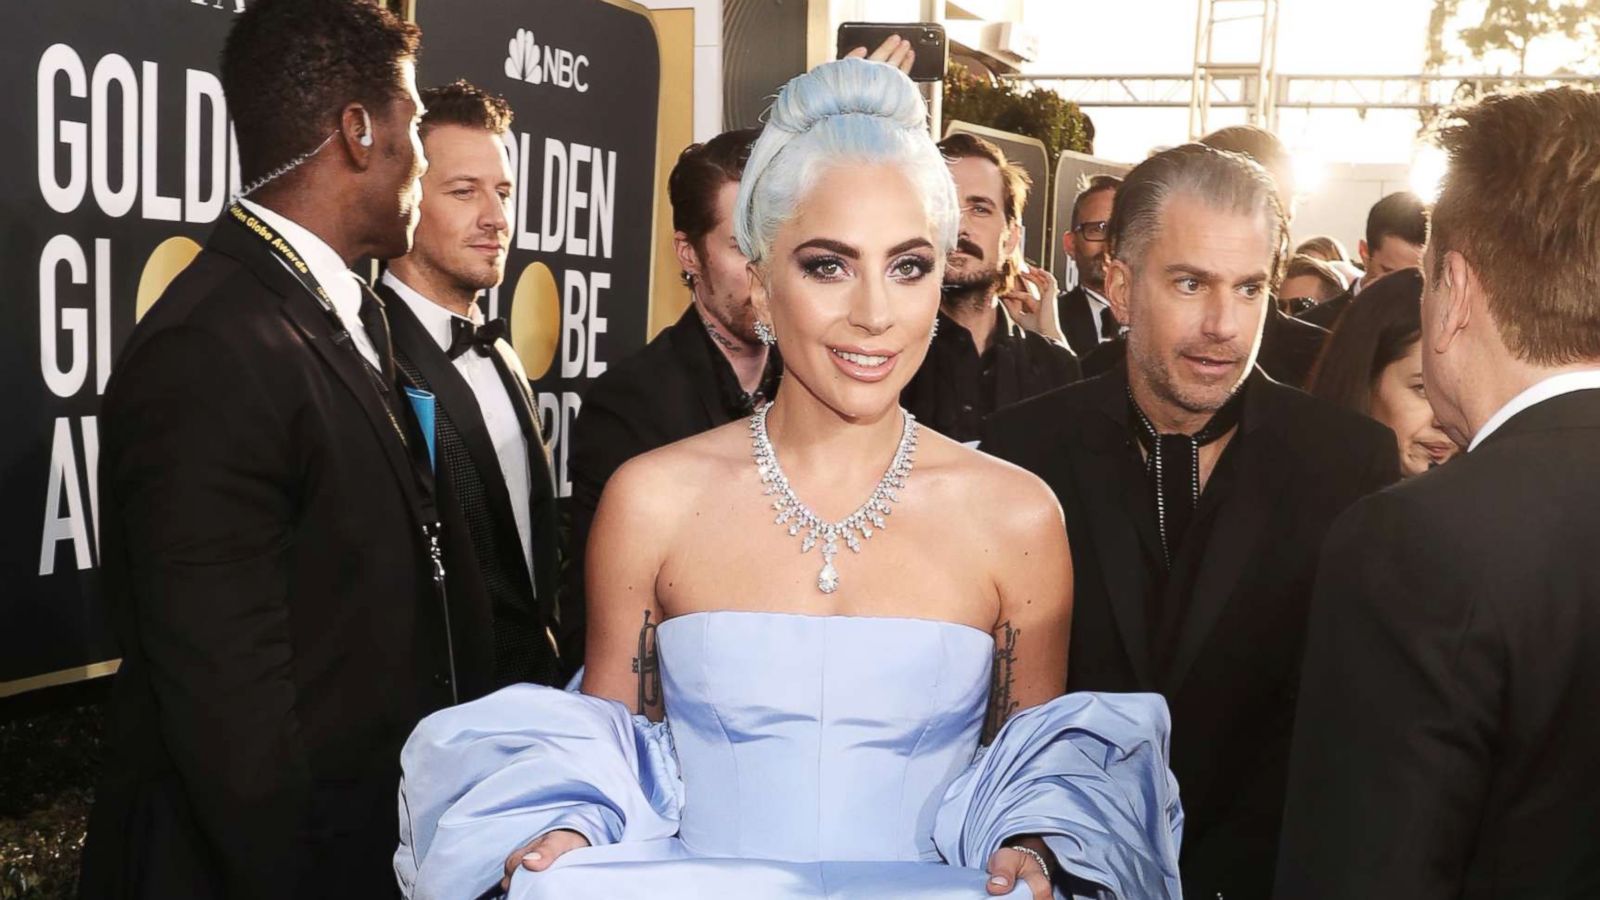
x: 1554, y: 386
x: 328, y: 268
x: 1096, y: 304
x: 499, y: 415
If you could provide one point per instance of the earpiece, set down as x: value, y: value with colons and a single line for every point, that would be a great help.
x: 366, y: 134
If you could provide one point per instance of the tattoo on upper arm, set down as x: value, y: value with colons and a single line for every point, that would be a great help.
x: 647, y: 665
x: 1001, y: 679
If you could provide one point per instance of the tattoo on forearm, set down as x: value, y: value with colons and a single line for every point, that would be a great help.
x: 647, y: 665
x: 1002, y: 677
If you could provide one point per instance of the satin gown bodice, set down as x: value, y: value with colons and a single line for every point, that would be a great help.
x: 819, y: 738
x: 801, y: 758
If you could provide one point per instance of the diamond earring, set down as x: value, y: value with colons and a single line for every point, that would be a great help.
x: 764, y: 333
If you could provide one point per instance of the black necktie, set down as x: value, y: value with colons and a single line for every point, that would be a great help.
x: 465, y: 335
x: 1173, y: 463
x: 1109, y: 326
x: 376, y: 323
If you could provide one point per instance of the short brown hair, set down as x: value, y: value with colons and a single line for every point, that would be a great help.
x: 463, y: 103
x: 1014, y: 180
x: 1092, y: 185
x: 1521, y: 202
x: 1223, y: 180
x: 701, y: 171
x: 1305, y: 264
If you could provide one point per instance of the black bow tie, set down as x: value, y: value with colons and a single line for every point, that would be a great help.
x: 464, y: 336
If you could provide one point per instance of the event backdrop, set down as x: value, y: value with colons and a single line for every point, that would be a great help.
x: 121, y: 159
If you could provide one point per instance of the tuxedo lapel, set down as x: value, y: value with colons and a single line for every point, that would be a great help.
x: 455, y: 395
x: 1103, y: 471
x: 338, y: 353
x: 542, y: 513
x: 1263, y: 467
x: 1083, y: 332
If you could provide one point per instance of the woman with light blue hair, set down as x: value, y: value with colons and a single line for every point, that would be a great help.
x: 804, y: 628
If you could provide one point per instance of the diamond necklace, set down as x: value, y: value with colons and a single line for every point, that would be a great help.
x: 799, y: 517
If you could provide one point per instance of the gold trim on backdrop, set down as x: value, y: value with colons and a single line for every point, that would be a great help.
x: 674, y: 131
x: 652, y: 326
x: 55, y: 679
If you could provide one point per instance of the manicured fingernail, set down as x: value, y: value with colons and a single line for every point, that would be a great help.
x: 998, y: 879
x: 534, y: 855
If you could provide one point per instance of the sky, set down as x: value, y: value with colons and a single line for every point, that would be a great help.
x: 1347, y: 37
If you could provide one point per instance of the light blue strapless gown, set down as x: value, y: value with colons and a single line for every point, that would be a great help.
x: 801, y: 757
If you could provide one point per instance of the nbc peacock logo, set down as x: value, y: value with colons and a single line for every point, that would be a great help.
x: 522, y: 62
x: 527, y: 61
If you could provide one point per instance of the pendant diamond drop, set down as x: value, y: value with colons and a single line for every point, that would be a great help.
x: 799, y: 518
x: 828, y: 578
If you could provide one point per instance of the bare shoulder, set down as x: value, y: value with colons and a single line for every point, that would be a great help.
x: 1005, y: 499
x: 666, y: 481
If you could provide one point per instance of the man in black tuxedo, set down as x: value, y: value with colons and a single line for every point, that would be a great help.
x: 992, y: 346
x: 269, y: 530
x: 1446, y: 742
x: 706, y: 370
x: 1397, y: 227
x: 1084, y: 312
x: 1196, y: 491
x: 495, y: 481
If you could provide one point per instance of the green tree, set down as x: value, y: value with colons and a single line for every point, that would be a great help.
x: 1039, y: 113
x: 1515, y: 26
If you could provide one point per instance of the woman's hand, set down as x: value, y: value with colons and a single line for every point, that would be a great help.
x: 895, y: 50
x: 541, y: 853
x: 1008, y: 866
x: 1033, y: 303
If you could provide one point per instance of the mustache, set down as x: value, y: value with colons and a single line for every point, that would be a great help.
x: 969, y: 248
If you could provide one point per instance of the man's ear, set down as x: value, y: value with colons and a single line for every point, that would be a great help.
x: 1458, y: 285
x: 1011, y: 244
x: 688, y: 259
x: 1119, y: 288
x: 356, y: 131
x: 1069, y: 243
x: 758, y: 293
x: 1365, y: 252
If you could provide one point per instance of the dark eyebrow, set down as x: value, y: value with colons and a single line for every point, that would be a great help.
x: 913, y: 244
x: 981, y: 198
x: 838, y: 247
x: 1212, y: 277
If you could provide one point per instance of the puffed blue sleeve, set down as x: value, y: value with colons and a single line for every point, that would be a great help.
x: 484, y: 778
x: 1087, y: 773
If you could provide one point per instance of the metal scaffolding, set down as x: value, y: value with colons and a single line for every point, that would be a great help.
x: 1240, y: 91
x: 1254, y: 80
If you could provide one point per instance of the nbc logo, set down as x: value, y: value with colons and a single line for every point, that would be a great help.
x: 527, y: 61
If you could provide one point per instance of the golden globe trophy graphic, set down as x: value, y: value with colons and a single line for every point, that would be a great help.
x: 536, y: 319
x: 170, y: 257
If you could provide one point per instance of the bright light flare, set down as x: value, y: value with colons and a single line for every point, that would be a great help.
x: 1427, y: 172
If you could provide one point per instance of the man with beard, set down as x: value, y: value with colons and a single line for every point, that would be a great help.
x: 1196, y: 492
x: 982, y: 357
x: 708, y: 369
x: 494, y: 475
x: 1084, y: 311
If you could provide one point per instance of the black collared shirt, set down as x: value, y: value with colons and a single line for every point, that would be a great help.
x: 957, y: 388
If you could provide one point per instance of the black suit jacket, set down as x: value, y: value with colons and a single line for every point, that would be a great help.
x: 270, y: 585
x: 677, y: 386
x: 1447, y: 743
x: 1231, y: 682
x: 474, y: 615
x: 1289, y: 350
x: 1078, y: 321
